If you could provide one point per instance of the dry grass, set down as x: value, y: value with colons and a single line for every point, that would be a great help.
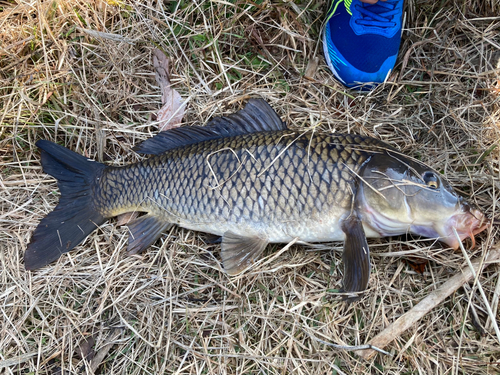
x: 81, y: 73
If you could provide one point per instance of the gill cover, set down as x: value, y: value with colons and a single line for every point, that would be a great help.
x: 398, y: 195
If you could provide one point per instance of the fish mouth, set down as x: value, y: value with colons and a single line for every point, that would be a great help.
x: 467, y: 224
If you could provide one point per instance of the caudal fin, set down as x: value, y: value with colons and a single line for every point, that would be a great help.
x: 75, y: 216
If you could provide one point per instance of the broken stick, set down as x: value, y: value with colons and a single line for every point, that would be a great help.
x: 406, y: 320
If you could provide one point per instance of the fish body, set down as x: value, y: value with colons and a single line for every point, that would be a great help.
x: 251, y: 180
x: 279, y: 185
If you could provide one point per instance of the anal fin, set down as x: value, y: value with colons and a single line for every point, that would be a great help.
x: 240, y: 252
x: 144, y: 231
x: 356, y: 257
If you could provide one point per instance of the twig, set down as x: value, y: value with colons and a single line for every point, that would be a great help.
x: 17, y: 360
x: 350, y: 347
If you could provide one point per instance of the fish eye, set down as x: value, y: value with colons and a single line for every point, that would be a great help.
x: 430, y: 180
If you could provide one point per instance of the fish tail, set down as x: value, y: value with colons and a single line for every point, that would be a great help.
x: 75, y: 216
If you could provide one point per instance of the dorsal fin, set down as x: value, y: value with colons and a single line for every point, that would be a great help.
x: 256, y: 116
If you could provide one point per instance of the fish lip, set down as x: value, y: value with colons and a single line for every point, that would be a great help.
x: 467, y: 224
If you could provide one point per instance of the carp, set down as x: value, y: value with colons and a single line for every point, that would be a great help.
x: 251, y: 180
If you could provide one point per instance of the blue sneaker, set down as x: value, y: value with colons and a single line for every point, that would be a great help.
x: 361, y: 41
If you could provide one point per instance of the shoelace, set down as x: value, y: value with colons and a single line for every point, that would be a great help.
x: 380, y: 18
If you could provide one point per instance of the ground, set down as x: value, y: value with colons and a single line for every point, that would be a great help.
x: 81, y: 73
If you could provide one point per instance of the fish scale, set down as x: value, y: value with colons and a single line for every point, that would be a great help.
x: 268, y: 183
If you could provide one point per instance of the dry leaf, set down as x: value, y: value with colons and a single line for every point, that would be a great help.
x: 312, y: 67
x: 85, y: 348
x: 417, y: 264
x: 172, y: 112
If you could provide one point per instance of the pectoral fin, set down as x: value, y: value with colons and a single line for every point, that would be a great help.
x: 356, y: 256
x: 144, y: 231
x: 240, y: 252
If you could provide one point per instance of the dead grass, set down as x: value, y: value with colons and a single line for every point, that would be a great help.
x: 81, y: 73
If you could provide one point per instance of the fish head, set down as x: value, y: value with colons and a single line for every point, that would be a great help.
x: 397, y: 195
